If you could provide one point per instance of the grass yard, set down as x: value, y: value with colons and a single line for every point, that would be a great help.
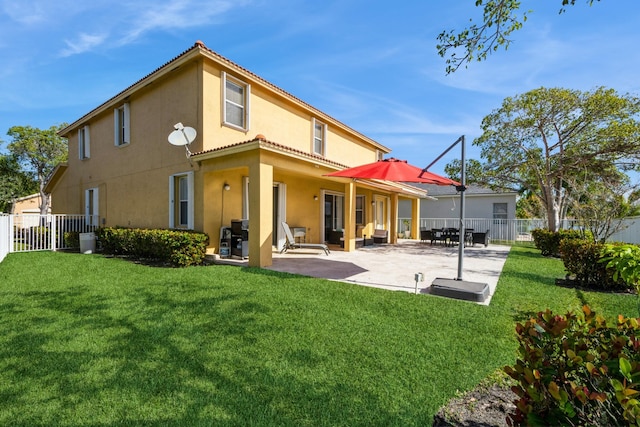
x: 92, y: 341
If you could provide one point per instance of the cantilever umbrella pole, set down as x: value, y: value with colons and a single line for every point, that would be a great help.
x: 459, y: 288
x: 462, y: 235
x: 462, y: 187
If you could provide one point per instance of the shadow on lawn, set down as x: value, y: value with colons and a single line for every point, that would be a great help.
x: 172, y: 354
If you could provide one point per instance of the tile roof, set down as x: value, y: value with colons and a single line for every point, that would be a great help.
x: 266, y: 143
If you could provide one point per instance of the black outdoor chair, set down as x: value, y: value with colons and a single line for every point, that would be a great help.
x: 480, y: 237
x: 426, y: 235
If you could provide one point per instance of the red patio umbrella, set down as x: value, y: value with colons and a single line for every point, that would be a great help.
x: 394, y: 170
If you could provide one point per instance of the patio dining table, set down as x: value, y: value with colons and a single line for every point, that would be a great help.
x: 451, y: 236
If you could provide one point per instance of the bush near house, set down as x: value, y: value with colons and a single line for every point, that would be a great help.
x: 583, y: 260
x: 177, y: 247
x: 72, y: 239
x: 549, y: 241
x: 576, y: 370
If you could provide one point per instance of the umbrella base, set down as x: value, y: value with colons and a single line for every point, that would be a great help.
x: 460, y: 289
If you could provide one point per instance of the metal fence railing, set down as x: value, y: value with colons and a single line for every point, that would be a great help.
x: 519, y: 230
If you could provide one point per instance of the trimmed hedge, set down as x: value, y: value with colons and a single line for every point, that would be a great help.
x: 577, y: 370
x: 178, y: 247
x: 582, y: 259
x: 549, y: 241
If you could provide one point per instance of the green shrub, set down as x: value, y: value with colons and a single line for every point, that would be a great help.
x: 624, y: 259
x: 549, y: 241
x: 72, y: 239
x: 582, y: 258
x: 576, y: 370
x: 178, y: 247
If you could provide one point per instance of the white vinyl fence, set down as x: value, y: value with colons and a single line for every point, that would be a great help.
x: 34, y: 232
x: 5, y: 242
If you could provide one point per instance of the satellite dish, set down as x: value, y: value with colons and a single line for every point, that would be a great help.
x: 184, y: 136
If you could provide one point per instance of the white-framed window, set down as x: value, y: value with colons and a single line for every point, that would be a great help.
x: 379, y: 155
x: 360, y: 212
x: 91, y: 212
x: 319, y: 140
x: 500, y: 213
x: 235, y: 105
x: 181, y: 209
x: 84, y: 151
x: 122, y: 125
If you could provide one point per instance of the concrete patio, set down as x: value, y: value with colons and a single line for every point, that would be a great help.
x: 393, y: 267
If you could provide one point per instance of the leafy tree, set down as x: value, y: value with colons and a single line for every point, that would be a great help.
x: 14, y: 182
x: 529, y: 205
x: 602, y: 204
x: 548, y: 140
x: 500, y: 19
x: 38, y: 152
x: 472, y: 172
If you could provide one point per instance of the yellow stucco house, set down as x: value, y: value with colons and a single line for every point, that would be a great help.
x: 260, y: 153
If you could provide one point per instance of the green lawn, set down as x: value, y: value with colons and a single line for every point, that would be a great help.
x: 92, y: 341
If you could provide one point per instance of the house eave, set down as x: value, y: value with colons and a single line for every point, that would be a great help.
x: 54, y: 177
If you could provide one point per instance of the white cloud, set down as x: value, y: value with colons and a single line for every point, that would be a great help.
x: 26, y: 13
x: 84, y: 43
x: 176, y: 14
x: 128, y: 22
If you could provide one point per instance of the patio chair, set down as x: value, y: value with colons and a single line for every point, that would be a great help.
x: 438, y: 235
x: 291, y: 243
x: 426, y: 234
x: 482, y: 238
x: 380, y: 236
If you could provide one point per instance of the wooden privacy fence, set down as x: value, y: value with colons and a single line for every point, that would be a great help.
x: 33, y: 232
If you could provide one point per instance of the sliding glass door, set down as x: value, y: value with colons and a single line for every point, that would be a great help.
x: 333, y: 213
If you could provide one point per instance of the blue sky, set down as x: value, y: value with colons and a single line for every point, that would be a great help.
x: 371, y: 64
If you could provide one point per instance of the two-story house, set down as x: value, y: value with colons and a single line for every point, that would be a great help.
x: 259, y: 154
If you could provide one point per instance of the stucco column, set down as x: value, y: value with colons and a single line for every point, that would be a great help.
x: 393, y: 229
x: 415, y: 218
x: 260, y: 214
x: 349, y: 216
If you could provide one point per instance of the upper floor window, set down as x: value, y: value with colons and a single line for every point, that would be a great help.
x: 83, y: 143
x: 379, y: 155
x: 319, y: 143
x: 122, y: 126
x: 236, y: 102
